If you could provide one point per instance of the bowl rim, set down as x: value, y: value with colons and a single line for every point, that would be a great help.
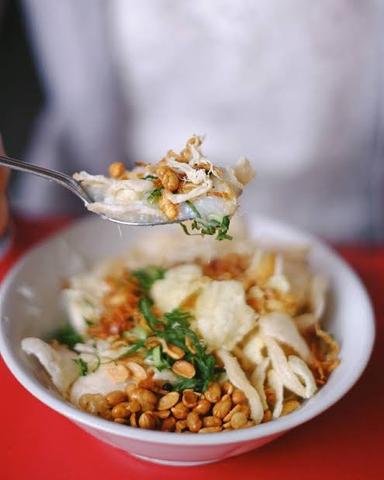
x: 275, y: 427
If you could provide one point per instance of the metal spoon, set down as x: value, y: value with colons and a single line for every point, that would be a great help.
x: 72, y: 185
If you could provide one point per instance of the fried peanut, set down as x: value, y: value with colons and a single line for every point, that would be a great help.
x: 175, y: 352
x: 146, y: 398
x: 238, y: 396
x: 134, y: 406
x: 212, y: 422
x: 227, y: 387
x: 168, y: 425
x: 147, y: 420
x: 190, y: 398
x: 184, y: 369
x: 121, y: 410
x: 194, y: 422
x: 116, y: 169
x: 203, y: 407
x: 238, y: 420
x: 180, y: 411
x: 170, y: 210
x: 213, y: 393
x: 222, y: 408
x: 168, y: 177
x: 162, y: 414
x: 235, y: 409
x: 168, y: 401
x: 113, y: 398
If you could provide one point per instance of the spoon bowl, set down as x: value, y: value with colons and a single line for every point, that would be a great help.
x: 76, y: 188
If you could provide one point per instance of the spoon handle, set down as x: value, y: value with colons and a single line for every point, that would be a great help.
x: 58, y: 177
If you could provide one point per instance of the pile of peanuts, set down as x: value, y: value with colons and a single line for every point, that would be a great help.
x: 219, y: 408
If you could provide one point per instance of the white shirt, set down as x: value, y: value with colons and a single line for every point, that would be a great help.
x: 293, y: 85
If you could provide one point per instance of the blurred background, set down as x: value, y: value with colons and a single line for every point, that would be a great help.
x: 295, y: 86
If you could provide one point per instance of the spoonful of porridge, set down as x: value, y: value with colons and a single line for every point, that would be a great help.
x: 181, y: 187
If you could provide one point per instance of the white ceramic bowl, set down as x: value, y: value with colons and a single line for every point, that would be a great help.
x: 350, y: 319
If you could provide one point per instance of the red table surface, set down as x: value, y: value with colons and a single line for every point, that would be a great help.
x: 346, y: 442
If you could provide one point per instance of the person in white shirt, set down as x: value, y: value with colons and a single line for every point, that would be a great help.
x: 295, y: 86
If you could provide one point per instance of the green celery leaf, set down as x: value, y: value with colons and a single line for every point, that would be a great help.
x: 66, y: 335
x: 159, y: 359
x: 131, y: 349
x: 208, y: 226
x: 83, y: 366
x: 145, y: 307
x: 155, y: 195
x: 148, y: 276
